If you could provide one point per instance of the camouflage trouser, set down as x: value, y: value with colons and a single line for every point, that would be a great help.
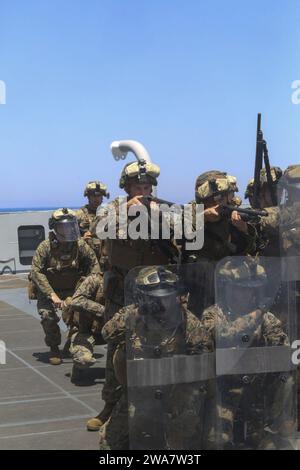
x: 50, y: 319
x: 83, y: 341
x: 243, y: 412
x: 82, y: 350
x: 152, y: 424
x: 114, y: 434
x: 112, y: 389
x: 231, y: 425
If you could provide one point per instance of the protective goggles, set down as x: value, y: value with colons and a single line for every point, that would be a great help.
x: 156, y: 278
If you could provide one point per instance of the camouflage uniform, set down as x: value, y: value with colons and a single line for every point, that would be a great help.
x: 86, y: 215
x: 221, y: 239
x: 57, y: 268
x: 269, y: 232
x: 123, y: 255
x: 88, y: 303
x: 185, y: 402
x: 268, y: 240
x: 255, y: 398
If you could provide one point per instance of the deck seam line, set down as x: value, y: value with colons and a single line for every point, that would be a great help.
x: 51, y: 382
x: 39, y: 433
x: 32, y: 400
x: 43, y: 421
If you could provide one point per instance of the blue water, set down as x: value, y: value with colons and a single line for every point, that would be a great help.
x: 22, y: 209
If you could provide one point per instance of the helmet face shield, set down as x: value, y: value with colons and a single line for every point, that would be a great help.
x: 242, y: 298
x: 156, y: 292
x: 67, y: 230
x: 162, y: 309
x: 245, y: 284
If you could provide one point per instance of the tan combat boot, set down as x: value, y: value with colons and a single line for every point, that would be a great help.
x: 94, y: 424
x: 55, y: 357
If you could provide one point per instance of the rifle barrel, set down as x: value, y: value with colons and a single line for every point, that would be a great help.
x: 258, y: 161
x: 247, y: 211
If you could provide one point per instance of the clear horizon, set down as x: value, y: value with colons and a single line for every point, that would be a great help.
x: 186, y: 80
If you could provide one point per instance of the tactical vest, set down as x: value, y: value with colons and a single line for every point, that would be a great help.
x: 124, y: 255
x: 63, y: 271
x: 86, y: 218
x: 85, y: 222
x: 128, y: 254
x: 217, y: 241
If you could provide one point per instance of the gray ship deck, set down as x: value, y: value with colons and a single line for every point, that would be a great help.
x: 39, y: 407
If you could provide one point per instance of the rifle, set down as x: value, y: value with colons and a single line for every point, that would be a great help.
x: 166, y: 247
x: 262, y: 155
x: 247, y: 214
x: 147, y: 199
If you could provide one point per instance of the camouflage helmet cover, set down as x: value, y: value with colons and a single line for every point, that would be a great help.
x: 291, y: 176
x: 61, y: 214
x: 276, y: 174
x: 213, y: 183
x: 140, y: 172
x: 97, y: 188
x: 248, y: 273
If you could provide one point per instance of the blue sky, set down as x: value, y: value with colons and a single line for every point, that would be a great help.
x: 185, y: 78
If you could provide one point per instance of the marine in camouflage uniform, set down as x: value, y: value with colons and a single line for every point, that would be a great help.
x: 137, y: 179
x: 223, y: 236
x: 268, y: 243
x: 241, y: 319
x: 87, y: 304
x: 157, y: 326
x: 94, y: 191
x: 58, y: 265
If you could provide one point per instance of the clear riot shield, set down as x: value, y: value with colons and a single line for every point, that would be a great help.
x: 289, y: 197
x: 199, y: 282
x: 255, y: 376
x: 170, y: 363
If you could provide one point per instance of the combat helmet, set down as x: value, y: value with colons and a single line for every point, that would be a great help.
x: 289, y: 186
x: 244, y: 273
x: 214, y: 183
x: 276, y: 174
x: 65, y: 225
x: 96, y: 188
x: 291, y: 177
x: 244, y: 277
x: 139, y: 172
x: 156, y: 291
x: 156, y: 281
